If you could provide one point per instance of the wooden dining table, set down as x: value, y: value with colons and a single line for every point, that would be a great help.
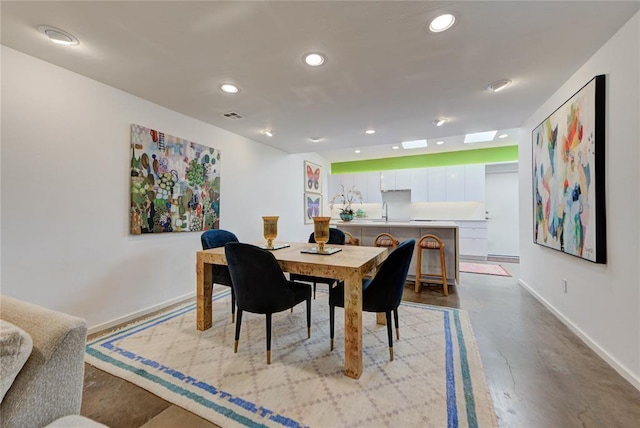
x: 350, y: 265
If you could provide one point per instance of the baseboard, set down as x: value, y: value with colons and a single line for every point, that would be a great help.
x: 138, y: 314
x: 622, y: 370
x: 466, y: 257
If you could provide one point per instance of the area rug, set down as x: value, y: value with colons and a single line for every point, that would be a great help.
x: 482, y: 268
x: 435, y: 380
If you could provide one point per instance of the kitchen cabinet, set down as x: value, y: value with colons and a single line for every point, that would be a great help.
x: 395, y: 180
x: 420, y: 185
x: 436, y: 185
x: 454, y: 183
x: 473, y: 239
x: 367, y: 183
x: 474, y: 182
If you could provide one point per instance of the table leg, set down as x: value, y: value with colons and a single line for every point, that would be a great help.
x: 204, y: 294
x: 353, y: 325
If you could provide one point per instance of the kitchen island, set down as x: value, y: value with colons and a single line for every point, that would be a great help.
x: 367, y: 230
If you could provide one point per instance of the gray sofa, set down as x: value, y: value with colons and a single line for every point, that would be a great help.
x: 42, y: 365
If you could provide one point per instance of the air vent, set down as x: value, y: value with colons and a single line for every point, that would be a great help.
x: 233, y: 115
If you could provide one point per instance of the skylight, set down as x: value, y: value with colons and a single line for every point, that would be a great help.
x: 480, y: 137
x: 415, y: 144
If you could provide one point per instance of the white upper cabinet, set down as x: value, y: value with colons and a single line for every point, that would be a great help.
x: 454, y: 183
x: 474, y: 182
x: 420, y: 185
x: 368, y: 183
x: 395, y: 180
x: 437, y: 184
x: 374, y: 196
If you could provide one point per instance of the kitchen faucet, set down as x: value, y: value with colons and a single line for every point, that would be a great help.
x: 385, y: 207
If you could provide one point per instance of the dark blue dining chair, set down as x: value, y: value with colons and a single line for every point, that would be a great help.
x: 218, y: 238
x: 383, y: 293
x: 261, y: 287
x: 336, y: 237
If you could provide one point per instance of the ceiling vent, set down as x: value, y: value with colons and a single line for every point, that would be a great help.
x: 233, y: 115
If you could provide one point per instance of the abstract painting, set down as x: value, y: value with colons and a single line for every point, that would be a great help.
x: 312, y: 206
x: 175, y: 184
x: 569, y: 177
x: 312, y: 177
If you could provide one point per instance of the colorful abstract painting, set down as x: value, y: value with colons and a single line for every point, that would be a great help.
x: 568, y: 176
x: 175, y: 184
x: 312, y: 206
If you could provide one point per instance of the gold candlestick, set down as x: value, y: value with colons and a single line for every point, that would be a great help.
x: 321, y: 231
x: 270, y: 229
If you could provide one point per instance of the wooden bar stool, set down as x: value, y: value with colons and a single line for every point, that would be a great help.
x: 386, y: 240
x: 431, y: 242
x: 350, y: 239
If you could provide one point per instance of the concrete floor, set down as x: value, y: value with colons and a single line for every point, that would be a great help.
x: 539, y: 373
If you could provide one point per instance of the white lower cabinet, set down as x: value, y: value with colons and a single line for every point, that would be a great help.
x: 473, y: 239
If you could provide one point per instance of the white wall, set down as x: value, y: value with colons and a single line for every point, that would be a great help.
x: 65, y: 195
x: 603, y: 301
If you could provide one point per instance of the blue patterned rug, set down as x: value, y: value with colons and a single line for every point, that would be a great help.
x: 435, y: 380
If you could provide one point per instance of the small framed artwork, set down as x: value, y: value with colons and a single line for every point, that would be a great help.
x: 569, y: 176
x: 312, y: 177
x: 312, y: 206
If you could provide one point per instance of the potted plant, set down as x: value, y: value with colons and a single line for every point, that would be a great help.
x: 347, y: 199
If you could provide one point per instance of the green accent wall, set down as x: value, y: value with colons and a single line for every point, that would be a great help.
x: 463, y: 157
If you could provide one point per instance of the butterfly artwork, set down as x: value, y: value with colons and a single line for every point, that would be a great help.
x: 313, y: 207
x: 312, y: 177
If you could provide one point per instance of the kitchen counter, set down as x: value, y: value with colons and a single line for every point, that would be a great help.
x: 366, y: 231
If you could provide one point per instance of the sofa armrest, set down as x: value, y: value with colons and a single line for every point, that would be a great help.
x: 49, y: 385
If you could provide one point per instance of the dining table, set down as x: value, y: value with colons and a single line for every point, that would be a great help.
x: 350, y: 265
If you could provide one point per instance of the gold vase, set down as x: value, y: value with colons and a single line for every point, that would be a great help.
x: 270, y: 229
x: 321, y: 231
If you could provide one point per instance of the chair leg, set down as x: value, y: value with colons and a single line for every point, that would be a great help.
x: 314, y: 291
x: 445, y: 286
x: 268, y: 338
x: 238, y: 324
x: 332, y: 322
x: 308, y: 318
x: 418, y: 285
x: 390, y: 334
x: 395, y: 319
x: 233, y: 306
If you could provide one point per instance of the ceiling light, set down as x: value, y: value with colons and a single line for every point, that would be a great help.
x: 499, y: 85
x: 415, y: 144
x: 501, y: 136
x: 480, y: 137
x: 442, y: 23
x: 357, y: 151
x: 58, y: 36
x: 268, y: 132
x: 229, y: 88
x: 315, y: 139
x: 370, y: 131
x: 395, y: 147
x: 440, y: 142
x: 439, y: 122
x: 314, y: 59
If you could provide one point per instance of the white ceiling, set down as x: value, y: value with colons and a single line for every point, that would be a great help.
x: 384, y: 69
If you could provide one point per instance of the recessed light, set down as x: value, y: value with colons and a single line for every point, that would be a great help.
x: 415, y: 144
x: 395, y: 147
x: 442, y: 23
x: 502, y: 136
x: 439, y: 122
x: 315, y: 139
x: 357, y: 151
x: 58, y: 36
x: 499, y: 85
x: 480, y: 137
x: 314, y: 59
x: 370, y: 131
x: 268, y: 132
x: 229, y: 88
x: 440, y: 142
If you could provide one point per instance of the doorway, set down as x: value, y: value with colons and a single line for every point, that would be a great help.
x: 501, y: 205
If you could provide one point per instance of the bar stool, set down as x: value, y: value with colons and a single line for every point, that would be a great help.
x: 431, y: 242
x: 386, y: 240
x: 350, y: 239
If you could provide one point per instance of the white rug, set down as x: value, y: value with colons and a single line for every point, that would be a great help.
x: 435, y: 380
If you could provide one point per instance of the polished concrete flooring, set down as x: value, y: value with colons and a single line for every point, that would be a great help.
x: 539, y: 373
